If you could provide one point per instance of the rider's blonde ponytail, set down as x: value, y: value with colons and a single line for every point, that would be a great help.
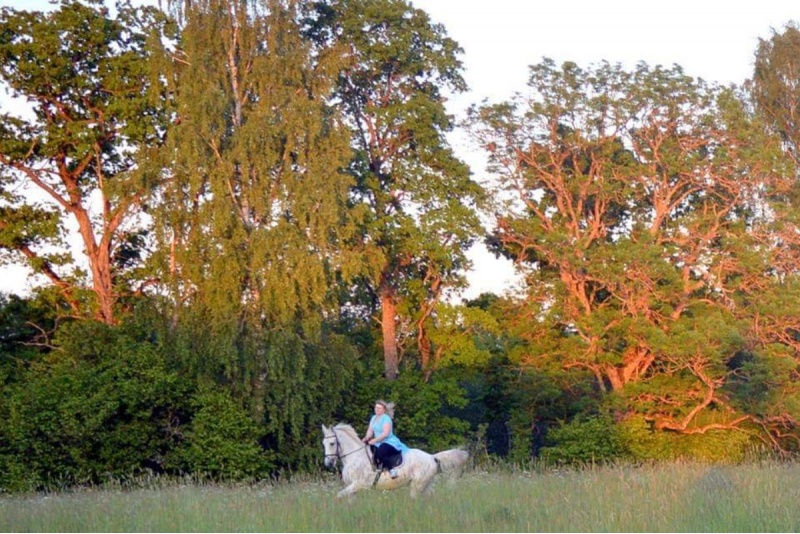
x: 388, y: 405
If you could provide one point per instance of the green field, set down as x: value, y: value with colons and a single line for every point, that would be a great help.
x: 674, y: 498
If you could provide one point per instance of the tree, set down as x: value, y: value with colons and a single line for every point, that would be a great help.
x: 256, y: 204
x: 81, y: 155
x: 418, y: 196
x: 251, y: 222
x: 647, y: 204
x: 775, y: 93
x: 775, y: 86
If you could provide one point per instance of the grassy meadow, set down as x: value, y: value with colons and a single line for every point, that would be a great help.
x: 661, y: 498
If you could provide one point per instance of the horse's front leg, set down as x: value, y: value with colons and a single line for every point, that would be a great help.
x: 351, y: 488
x: 347, y: 491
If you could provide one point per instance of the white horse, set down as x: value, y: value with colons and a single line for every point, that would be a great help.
x: 341, y: 443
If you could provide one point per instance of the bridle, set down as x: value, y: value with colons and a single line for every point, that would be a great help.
x: 338, y: 452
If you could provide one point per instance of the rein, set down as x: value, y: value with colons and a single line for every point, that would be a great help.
x: 338, y: 454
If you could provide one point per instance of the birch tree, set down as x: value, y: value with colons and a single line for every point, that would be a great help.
x: 252, y: 222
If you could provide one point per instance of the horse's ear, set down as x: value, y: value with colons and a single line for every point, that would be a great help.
x: 325, y: 430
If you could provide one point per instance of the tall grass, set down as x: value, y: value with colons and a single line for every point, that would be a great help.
x: 662, y: 498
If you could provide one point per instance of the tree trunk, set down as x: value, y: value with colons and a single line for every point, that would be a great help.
x: 99, y: 256
x: 102, y: 284
x: 635, y: 364
x: 389, y: 330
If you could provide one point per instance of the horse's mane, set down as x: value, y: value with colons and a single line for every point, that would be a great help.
x: 347, y: 429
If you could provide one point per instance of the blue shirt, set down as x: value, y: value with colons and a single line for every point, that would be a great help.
x: 377, y: 430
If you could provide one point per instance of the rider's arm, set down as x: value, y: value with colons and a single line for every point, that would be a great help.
x: 367, y: 435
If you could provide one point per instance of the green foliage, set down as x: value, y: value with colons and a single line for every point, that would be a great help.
x: 774, y: 86
x: 583, y: 440
x: 425, y: 413
x: 286, y: 383
x: 252, y: 225
x: 25, y: 325
x: 293, y: 159
x: 639, y: 273
x: 520, y: 403
x: 418, y: 198
x: 97, y: 114
x: 589, y: 439
x: 754, y: 376
x: 103, y: 404
x: 641, y: 442
x: 463, y: 335
x: 306, y: 385
x: 252, y: 228
x: 221, y: 441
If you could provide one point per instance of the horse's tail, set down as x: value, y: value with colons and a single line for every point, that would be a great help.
x: 451, y: 461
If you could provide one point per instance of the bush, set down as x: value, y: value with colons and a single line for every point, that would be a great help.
x: 221, y: 441
x: 102, y: 405
x: 585, y: 439
x: 643, y: 443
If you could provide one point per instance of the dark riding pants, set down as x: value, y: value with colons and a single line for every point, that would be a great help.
x: 387, y: 457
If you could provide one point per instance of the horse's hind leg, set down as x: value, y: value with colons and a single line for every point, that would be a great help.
x: 422, y: 485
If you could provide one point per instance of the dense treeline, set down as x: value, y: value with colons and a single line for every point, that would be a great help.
x: 271, y: 228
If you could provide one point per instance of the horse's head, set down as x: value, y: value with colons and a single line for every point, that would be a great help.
x: 340, y: 442
x: 330, y: 446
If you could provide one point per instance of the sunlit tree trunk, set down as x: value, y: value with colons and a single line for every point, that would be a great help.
x: 389, y: 331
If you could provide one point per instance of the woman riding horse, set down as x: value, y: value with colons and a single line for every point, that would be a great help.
x: 341, y: 444
x: 380, y: 434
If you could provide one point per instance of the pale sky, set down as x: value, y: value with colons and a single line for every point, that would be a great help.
x: 710, y: 39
